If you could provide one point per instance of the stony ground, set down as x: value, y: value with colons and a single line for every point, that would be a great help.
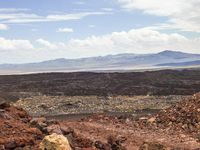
x: 162, y: 82
x: 58, y: 95
x: 58, y: 105
x: 101, y: 127
x: 175, y: 128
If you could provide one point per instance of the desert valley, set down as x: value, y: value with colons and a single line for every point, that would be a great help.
x: 106, y: 111
x: 99, y: 75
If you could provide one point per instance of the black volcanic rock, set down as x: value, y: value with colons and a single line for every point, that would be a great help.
x: 164, y: 82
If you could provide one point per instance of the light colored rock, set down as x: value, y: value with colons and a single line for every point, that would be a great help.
x: 151, y: 120
x: 143, y: 118
x: 55, y: 142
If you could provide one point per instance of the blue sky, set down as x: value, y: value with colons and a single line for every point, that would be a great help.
x: 37, y: 30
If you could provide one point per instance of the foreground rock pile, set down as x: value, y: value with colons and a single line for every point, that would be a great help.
x: 18, y: 131
x: 15, y: 131
x: 57, y: 133
x: 183, y: 116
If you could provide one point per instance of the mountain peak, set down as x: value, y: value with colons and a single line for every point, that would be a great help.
x: 169, y: 52
x: 57, y: 60
x: 174, y: 54
x: 110, y: 62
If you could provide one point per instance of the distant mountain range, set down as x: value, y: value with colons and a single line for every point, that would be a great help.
x: 161, y: 60
x: 182, y: 64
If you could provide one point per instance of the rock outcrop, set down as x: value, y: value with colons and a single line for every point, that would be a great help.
x: 55, y: 142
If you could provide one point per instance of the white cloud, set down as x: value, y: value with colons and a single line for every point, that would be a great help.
x: 142, y: 40
x: 7, y: 44
x: 183, y: 14
x: 28, y: 17
x: 68, y: 30
x: 46, y: 44
x: 11, y: 10
x: 3, y: 27
x: 19, y: 18
x: 107, y: 9
x: 75, y: 16
x: 156, y: 7
x: 134, y: 41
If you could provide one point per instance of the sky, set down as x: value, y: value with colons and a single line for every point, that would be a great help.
x: 38, y: 30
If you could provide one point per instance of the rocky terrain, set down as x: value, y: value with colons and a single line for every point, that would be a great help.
x: 88, y: 112
x: 173, y: 128
x: 15, y: 130
x: 184, y: 116
x: 164, y: 82
x: 21, y: 132
x: 64, y: 105
x: 176, y: 127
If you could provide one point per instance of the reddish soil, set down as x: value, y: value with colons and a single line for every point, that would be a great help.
x: 14, y: 129
x: 101, y: 127
x: 177, y: 128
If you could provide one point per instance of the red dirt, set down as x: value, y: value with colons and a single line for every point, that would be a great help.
x: 15, y: 132
x: 100, y: 128
x: 106, y: 132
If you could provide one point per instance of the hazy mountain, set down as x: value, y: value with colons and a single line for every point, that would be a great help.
x: 182, y: 64
x: 109, y: 62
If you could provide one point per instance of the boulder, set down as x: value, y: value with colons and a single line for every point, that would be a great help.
x: 39, y: 123
x: 55, y: 142
x: 54, y: 128
x: 66, y: 130
x: 151, y: 120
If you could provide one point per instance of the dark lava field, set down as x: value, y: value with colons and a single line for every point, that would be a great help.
x: 164, y: 82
